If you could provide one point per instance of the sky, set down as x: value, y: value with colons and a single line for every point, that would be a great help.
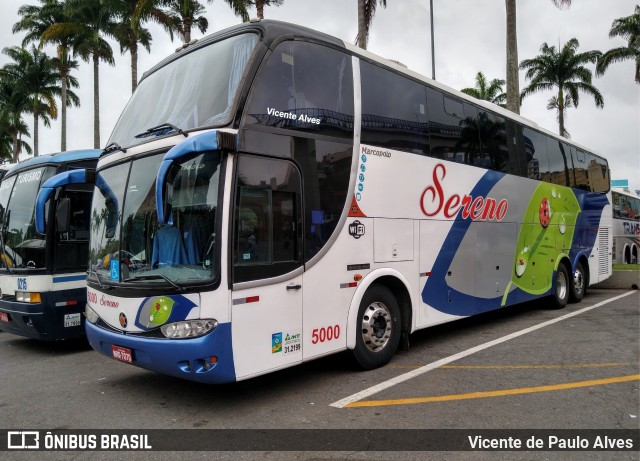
x: 470, y: 36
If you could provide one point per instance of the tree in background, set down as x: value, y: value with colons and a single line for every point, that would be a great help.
x: 260, y: 4
x: 87, y: 23
x: 488, y: 91
x: 366, y: 12
x: 39, y: 78
x: 35, y: 20
x: 513, y: 84
x: 627, y: 28
x: 565, y: 71
x: 13, y: 103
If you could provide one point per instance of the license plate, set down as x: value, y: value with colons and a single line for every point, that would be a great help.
x: 72, y: 320
x: 122, y: 354
x: 4, y: 317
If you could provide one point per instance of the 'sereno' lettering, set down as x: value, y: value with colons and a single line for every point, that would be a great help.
x: 433, y: 201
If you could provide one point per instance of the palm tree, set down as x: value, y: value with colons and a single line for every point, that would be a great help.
x: 14, y: 101
x: 260, y: 4
x: 87, y: 23
x: 36, y: 73
x: 366, y: 12
x: 629, y: 29
x: 513, y: 85
x: 491, y: 91
x: 564, y: 70
x: 34, y: 21
x: 183, y: 15
x: 129, y: 31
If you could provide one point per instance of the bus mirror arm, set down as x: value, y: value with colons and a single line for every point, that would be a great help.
x: 50, y: 185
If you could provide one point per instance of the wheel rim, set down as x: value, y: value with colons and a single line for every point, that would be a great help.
x: 376, y: 326
x: 578, y: 281
x: 561, y: 286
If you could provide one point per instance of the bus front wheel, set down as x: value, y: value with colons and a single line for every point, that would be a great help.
x: 561, y: 285
x: 378, y: 326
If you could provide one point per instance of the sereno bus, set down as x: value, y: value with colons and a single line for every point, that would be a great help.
x: 626, y: 227
x: 273, y: 195
x: 42, y: 278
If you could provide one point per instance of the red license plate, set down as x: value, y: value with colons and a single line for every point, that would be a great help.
x: 4, y: 317
x: 122, y: 353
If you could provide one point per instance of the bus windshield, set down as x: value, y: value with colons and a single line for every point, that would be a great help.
x: 23, y: 246
x: 127, y: 243
x: 196, y: 90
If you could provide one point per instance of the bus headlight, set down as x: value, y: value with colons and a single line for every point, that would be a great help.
x: 188, y: 328
x: 91, y: 315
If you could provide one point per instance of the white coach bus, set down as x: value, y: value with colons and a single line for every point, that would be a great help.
x: 272, y: 195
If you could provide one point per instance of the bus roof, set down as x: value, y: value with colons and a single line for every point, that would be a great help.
x: 273, y: 32
x: 53, y: 159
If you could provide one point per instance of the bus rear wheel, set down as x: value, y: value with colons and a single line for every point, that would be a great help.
x: 378, y: 326
x: 561, y: 285
x: 578, y: 285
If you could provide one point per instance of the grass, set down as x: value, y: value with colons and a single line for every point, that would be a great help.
x: 626, y: 267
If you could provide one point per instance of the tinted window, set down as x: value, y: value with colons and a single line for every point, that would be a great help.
x: 326, y: 167
x: 267, y: 218
x: 469, y: 143
x: 72, y: 247
x: 559, y: 160
x: 493, y: 141
x: 394, y: 110
x: 598, y: 173
x: 306, y: 87
x: 536, y: 150
x: 444, y: 125
x: 579, y: 177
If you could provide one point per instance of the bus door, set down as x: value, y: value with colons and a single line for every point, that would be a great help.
x: 267, y: 253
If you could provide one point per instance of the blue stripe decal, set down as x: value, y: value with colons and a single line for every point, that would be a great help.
x: 69, y: 278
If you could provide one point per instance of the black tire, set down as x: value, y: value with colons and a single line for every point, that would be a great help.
x: 561, y: 288
x: 578, y: 285
x: 378, y: 328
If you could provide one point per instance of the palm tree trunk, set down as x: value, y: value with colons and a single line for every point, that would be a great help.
x: 133, y: 49
x: 513, y: 85
x: 260, y: 8
x: 63, y: 110
x: 186, y: 33
x: 362, y: 26
x: 96, y: 102
x: 561, y: 113
x: 16, y: 148
x: 35, y: 133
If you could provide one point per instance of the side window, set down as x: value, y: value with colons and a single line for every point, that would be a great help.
x: 580, y: 161
x: 72, y: 247
x: 469, y: 142
x: 395, y: 119
x: 493, y: 142
x: 267, y: 219
x: 598, y: 172
x: 306, y: 87
x: 445, y: 115
x: 559, y: 161
x: 535, y: 145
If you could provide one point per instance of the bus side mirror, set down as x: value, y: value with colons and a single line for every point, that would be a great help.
x: 63, y: 215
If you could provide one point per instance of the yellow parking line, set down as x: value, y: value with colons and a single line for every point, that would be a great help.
x: 518, y: 367
x: 499, y: 393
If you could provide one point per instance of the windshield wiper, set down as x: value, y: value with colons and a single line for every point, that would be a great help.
x: 165, y: 127
x: 114, y: 146
x: 156, y: 277
x: 95, y: 272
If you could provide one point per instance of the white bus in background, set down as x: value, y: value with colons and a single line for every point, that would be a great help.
x: 271, y: 195
x: 626, y: 227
